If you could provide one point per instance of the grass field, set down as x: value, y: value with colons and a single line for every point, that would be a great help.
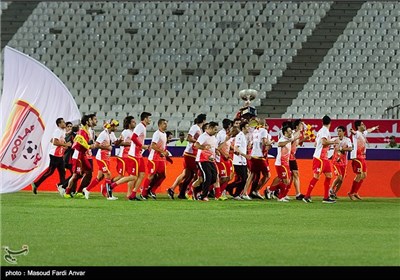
x: 96, y: 232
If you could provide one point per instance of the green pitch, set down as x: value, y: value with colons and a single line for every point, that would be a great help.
x: 96, y: 232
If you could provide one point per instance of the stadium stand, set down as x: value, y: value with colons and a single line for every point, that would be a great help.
x: 361, y: 68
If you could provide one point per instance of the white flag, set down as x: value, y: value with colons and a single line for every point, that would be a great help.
x: 33, y: 98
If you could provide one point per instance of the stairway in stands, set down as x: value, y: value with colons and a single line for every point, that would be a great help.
x: 307, y: 60
x: 13, y: 18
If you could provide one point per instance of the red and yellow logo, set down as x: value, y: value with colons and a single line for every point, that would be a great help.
x: 21, y: 144
x: 309, y: 132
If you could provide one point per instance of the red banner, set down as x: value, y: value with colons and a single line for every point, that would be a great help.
x: 381, y: 136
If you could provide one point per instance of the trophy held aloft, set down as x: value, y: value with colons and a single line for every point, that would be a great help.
x: 247, y: 111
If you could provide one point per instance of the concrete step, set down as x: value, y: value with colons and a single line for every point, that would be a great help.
x: 7, y: 37
x: 302, y: 65
x: 299, y: 73
x: 317, y: 45
x: 276, y: 102
x: 281, y: 94
x: 272, y: 116
x: 271, y: 109
x: 13, y: 19
x: 342, y: 12
x: 294, y: 79
x: 11, y: 24
x: 335, y: 24
x: 322, y: 38
x: 287, y: 86
x: 310, y: 52
x: 309, y: 58
x: 328, y: 31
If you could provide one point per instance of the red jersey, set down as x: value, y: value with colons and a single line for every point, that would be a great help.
x: 321, y: 151
x: 206, y: 155
x: 81, y: 141
x: 160, y: 139
x: 138, y: 136
x: 359, y: 145
x: 340, y: 157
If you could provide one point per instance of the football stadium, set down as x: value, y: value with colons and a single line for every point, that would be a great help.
x: 217, y: 134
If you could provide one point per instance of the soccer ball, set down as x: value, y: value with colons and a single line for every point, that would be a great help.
x: 29, y: 151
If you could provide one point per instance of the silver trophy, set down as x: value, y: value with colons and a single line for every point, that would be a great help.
x: 248, y: 95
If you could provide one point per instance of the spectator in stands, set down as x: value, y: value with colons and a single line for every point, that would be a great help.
x: 182, y: 142
x: 392, y: 142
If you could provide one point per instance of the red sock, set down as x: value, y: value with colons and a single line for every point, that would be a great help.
x: 146, y: 182
x: 145, y: 189
x: 93, y: 184
x: 282, y: 190
x: 327, y: 183
x: 158, y: 183
x: 68, y: 190
x: 273, y: 188
x: 313, y: 182
x: 113, y: 185
x: 104, y: 191
x: 287, y: 188
x: 223, y: 186
x: 133, y: 195
x: 218, y: 192
x: 358, y: 186
x: 353, y: 187
x: 154, y: 189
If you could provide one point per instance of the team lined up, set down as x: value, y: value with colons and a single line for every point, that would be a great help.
x: 233, y: 160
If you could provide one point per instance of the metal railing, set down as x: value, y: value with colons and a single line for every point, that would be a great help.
x: 392, y: 112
